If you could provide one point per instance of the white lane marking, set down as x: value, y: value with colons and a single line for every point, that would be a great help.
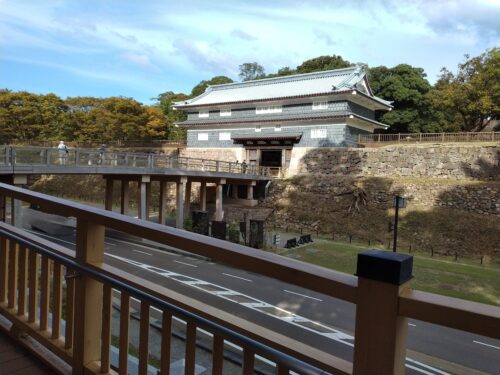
x: 48, y: 236
x: 419, y: 370
x: 237, y: 277
x: 166, y: 252
x: 303, y: 295
x: 333, y: 333
x: 187, y: 264
x: 412, y: 325
x: 142, y: 252
x: 483, y: 343
x: 426, y: 366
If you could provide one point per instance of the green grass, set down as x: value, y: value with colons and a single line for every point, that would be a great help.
x: 474, y: 282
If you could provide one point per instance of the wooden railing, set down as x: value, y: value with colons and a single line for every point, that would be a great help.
x: 38, y: 278
x: 154, y: 143
x: 428, y: 137
x: 44, y: 156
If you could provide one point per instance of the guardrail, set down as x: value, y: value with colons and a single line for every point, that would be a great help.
x: 429, y: 137
x: 32, y: 288
x: 46, y: 156
x: 130, y: 143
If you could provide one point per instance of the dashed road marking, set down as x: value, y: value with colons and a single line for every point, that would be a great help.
x: 483, y: 343
x: 237, y: 277
x: 187, y: 264
x: 303, y: 295
x: 412, y: 325
x: 142, y: 252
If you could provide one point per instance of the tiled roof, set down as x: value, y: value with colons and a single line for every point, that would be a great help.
x: 256, y: 137
x: 281, y: 118
x: 298, y: 85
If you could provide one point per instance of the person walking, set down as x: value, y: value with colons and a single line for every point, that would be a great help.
x: 63, y: 153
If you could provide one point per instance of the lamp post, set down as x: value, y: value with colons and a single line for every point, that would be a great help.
x: 399, y: 202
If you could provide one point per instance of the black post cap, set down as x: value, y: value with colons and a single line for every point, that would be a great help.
x: 385, y: 266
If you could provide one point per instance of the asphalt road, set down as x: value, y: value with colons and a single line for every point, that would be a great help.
x: 316, y: 319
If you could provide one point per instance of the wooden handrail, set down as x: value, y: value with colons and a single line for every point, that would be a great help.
x: 451, y: 312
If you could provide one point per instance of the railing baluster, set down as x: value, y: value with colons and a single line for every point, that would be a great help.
x: 70, y: 310
x: 21, y: 309
x: 106, y: 328
x: 248, y: 362
x: 143, y: 339
x: 166, y: 334
x: 217, y: 355
x: 34, y: 262
x: 124, y: 328
x: 56, y: 301
x: 44, y: 294
x: 190, y: 357
x: 3, y: 269
x: 12, y: 278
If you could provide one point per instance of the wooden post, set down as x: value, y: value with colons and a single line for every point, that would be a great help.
x: 203, y: 196
x: 88, y: 297
x: 249, y: 192
x: 142, y: 208
x: 163, y: 202
x: 108, y: 200
x: 179, y: 209
x: 187, y: 200
x: 125, y: 197
x: 234, y: 191
x: 148, y: 199
x: 380, y: 333
x: 218, y: 202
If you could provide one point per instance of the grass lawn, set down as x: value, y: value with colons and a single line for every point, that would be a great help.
x: 463, y: 280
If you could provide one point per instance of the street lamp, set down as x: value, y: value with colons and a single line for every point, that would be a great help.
x: 399, y: 202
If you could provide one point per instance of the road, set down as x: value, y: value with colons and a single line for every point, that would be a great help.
x: 316, y: 319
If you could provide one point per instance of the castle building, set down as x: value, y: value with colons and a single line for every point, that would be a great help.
x: 274, y: 122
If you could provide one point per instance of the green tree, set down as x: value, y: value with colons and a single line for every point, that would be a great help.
x: 408, y: 88
x: 251, y: 71
x: 322, y: 63
x: 165, y: 102
x: 202, y: 86
x: 472, y: 95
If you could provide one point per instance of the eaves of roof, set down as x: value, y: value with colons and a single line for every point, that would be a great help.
x: 282, y: 119
x: 339, y: 92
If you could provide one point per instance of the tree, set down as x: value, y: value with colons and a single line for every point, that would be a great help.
x: 407, y: 87
x: 202, y: 86
x: 251, y: 71
x: 321, y: 63
x: 165, y: 102
x: 472, y: 95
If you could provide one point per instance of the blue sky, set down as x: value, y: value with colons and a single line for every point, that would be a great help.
x: 139, y: 49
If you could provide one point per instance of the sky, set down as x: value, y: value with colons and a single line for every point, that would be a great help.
x: 140, y: 49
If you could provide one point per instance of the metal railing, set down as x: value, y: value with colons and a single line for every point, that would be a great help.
x: 32, y: 288
x: 47, y: 156
x: 410, y: 138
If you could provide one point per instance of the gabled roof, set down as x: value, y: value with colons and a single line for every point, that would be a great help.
x: 298, y: 85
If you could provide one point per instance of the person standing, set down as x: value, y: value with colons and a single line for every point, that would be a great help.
x: 63, y: 153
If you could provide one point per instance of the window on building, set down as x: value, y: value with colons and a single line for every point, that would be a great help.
x: 203, y: 136
x: 202, y: 114
x: 320, y: 105
x: 277, y: 128
x: 258, y: 128
x: 268, y: 109
x: 224, y: 136
x: 225, y: 112
x: 318, y: 133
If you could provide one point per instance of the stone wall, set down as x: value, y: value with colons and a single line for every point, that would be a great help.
x: 226, y: 154
x: 441, y: 161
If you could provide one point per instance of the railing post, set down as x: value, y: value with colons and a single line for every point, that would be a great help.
x: 380, y: 337
x: 47, y: 156
x: 88, y: 297
x: 217, y: 166
x: 77, y: 156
